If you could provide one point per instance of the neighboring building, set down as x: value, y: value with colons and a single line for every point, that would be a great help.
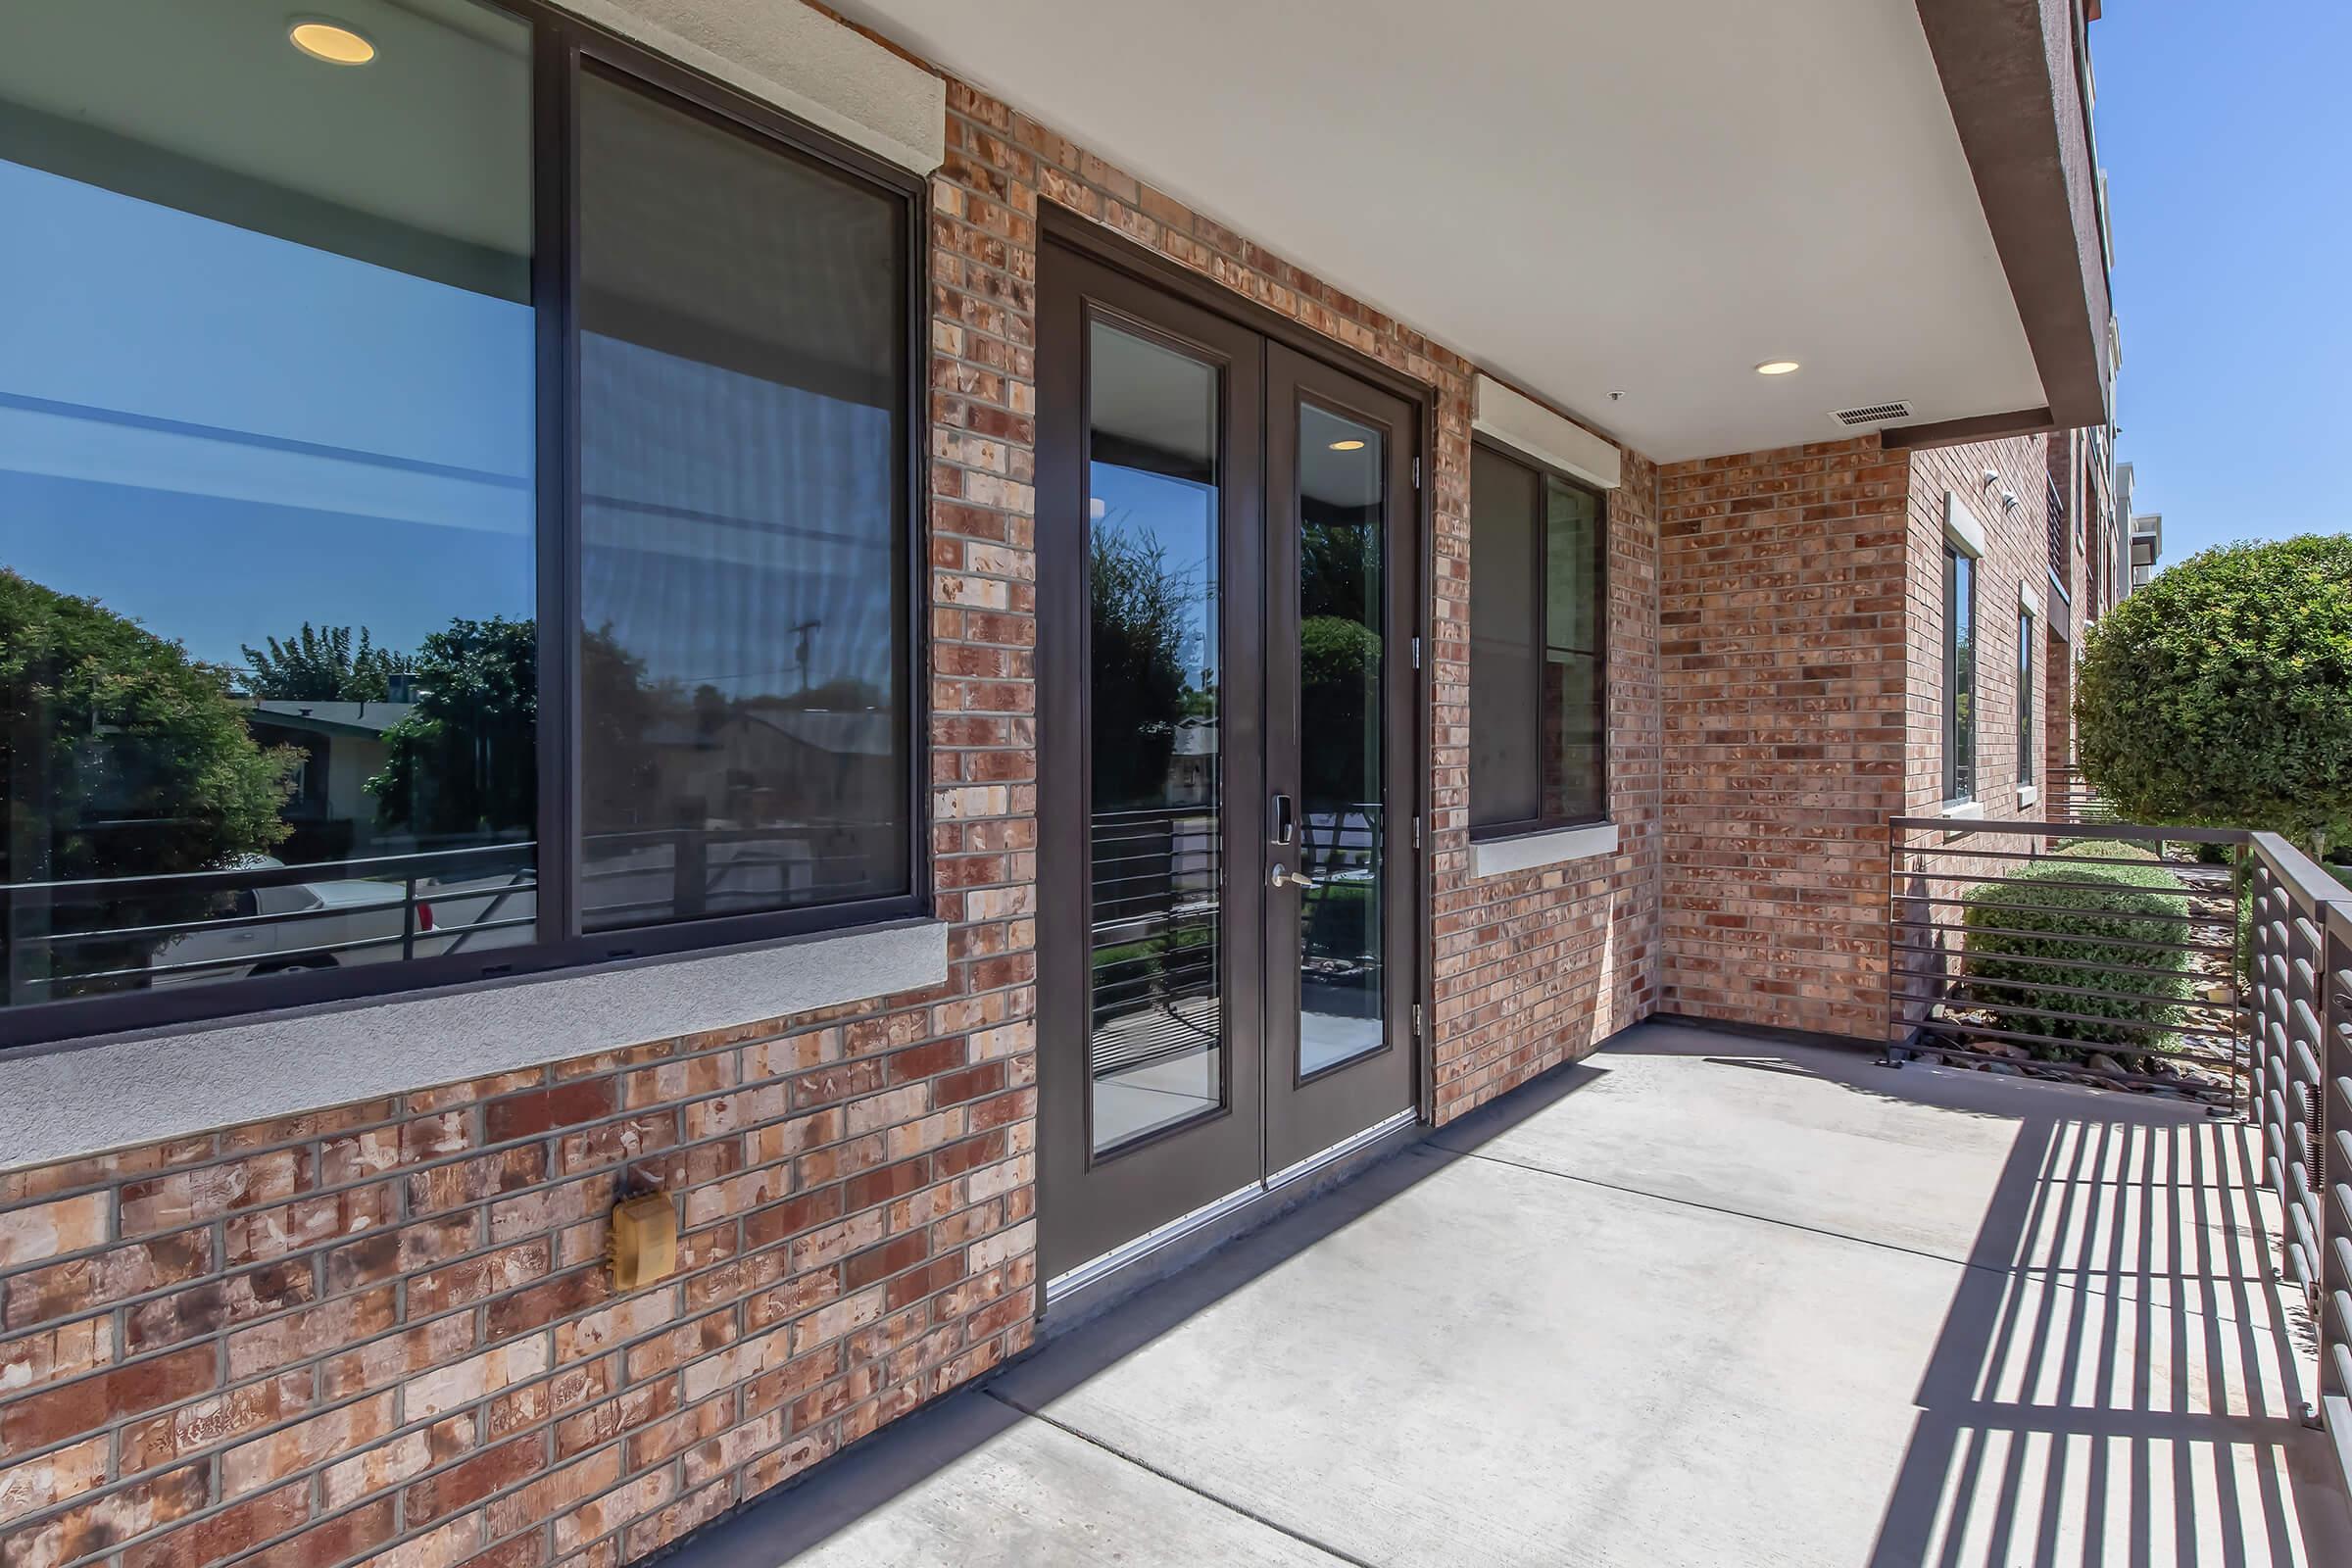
x: 1021, y: 663
x: 2147, y: 546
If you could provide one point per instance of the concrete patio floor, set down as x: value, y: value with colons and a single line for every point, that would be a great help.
x: 1699, y: 1300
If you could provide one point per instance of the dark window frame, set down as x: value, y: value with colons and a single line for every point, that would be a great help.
x: 563, y: 48
x: 1959, y: 779
x: 2027, y: 717
x: 1542, y: 821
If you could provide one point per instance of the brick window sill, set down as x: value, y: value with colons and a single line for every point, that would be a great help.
x: 1529, y: 851
x: 89, y: 1096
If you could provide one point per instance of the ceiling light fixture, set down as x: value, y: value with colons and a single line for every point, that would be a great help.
x: 335, y: 42
x: 1346, y: 446
x: 1776, y: 367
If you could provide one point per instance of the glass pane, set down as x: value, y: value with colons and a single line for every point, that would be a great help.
x: 1960, y: 609
x: 2024, y: 698
x: 742, y: 737
x: 266, y: 437
x: 1571, y: 568
x: 1156, y: 1053
x: 1504, y: 654
x: 1342, y: 831
x: 1573, y: 737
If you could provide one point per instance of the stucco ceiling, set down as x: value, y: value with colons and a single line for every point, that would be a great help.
x: 1623, y: 204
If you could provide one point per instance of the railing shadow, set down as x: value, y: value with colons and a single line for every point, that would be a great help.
x: 2118, y: 1379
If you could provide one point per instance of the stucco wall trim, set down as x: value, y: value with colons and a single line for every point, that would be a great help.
x: 65, y: 1103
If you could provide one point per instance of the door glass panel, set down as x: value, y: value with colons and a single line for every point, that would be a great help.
x: 1340, y: 831
x: 1156, y: 1044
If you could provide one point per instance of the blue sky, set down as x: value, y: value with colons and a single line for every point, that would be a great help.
x: 2228, y: 140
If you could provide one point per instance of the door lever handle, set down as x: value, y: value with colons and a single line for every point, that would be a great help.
x: 1284, y: 877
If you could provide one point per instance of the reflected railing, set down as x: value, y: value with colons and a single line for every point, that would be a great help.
x: 105, y: 935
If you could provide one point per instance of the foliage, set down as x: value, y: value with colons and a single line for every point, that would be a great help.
x: 1339, y: 679
x: 464, y: 761
x: 124, y: 758
x: 1142, y: 654
x: 2221, y: 693
x: 2062, y: 923
x: 325, y: 664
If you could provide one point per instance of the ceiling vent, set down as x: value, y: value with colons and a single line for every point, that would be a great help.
x: 1872, y: 414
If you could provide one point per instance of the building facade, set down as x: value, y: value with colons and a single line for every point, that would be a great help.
x: 965, y: 716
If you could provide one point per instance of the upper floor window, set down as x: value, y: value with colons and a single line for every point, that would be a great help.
x: 2026, y: 743
x: 1539, y: 731
x: 425, y: 551
x: 1959, y: 675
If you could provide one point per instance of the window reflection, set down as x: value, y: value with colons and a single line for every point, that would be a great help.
x: 267, y: 665
x: 1342, y: 836
x: 742, y: 744
x: 1156, y: 1053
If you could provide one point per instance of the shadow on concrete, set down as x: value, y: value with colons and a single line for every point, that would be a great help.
x: 2118, y: 1378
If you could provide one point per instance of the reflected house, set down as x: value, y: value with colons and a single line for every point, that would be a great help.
x: 331, y: 812
x: 766, y: 763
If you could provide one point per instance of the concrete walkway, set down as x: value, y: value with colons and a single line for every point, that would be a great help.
x: 1696, y: 1300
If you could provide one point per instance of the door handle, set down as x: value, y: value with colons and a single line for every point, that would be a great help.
x: 1283, y: 876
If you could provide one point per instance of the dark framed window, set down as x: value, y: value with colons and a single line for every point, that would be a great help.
x: 457, y: 484
x: 1959, y: 675
x: 2024, y: 698
x: 1539, y: 722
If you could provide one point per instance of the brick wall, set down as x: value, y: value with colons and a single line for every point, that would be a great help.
x: 2017, y: 551
x: 1539, y: 967
x: 1781, y: 660
x: 380, y: 1333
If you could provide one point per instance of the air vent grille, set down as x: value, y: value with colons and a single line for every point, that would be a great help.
x: 1872, y: 414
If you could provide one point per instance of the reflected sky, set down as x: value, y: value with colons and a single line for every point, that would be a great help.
x: 221, y: 433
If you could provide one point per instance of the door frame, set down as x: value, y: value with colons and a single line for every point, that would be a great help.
x: 1060, y: 226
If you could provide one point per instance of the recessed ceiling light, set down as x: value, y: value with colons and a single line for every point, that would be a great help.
x: 1776, y: 367
x: 1346, y: 446
x: 334, y: 42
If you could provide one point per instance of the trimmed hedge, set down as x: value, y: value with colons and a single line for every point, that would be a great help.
x: 2061, y: 931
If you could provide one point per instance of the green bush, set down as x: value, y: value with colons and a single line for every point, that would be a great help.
x: 2067, y: 913
x: 2217, y: 693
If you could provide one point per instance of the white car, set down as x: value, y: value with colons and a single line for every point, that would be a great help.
x: 336, y: 924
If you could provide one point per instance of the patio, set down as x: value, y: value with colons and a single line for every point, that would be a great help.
x: 1790, y: 1306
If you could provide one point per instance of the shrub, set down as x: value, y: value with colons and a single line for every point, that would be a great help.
x: 2217, y: 693
x: 2057, y: 922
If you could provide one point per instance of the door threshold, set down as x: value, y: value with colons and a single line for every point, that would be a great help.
x: 1078, y: 1293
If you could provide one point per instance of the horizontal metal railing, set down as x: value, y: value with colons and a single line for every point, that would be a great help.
x: 2157, y: 990
x: 2072, y: 798
x: 2301, y: 930
x: 120, y: 933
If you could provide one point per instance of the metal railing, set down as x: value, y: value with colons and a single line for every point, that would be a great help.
x: 2069, y: 798
x: 90, y: 936
x: 1984, y: 969
x: 2302, y: 981
x: 2249, y: 984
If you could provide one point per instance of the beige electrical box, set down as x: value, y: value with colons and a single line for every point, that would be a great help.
x: 645, y: 1241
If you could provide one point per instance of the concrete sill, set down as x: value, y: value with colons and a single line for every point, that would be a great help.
x: 2028, y: 795
x: 1531, y: 850
x: 89, y: 1096
x: 1961, y: 809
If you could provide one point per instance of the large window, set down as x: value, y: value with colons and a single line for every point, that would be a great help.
x: 1959, y: 675
x: 454, y: 510
x: 1538, y: 732
x: 2026, y: 743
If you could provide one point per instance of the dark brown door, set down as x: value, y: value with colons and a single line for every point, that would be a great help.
x: 1339, y: 755
x: 1224, y: 693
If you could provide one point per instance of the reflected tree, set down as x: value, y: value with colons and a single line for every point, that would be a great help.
x: 123, y: 758
x: 323, y: 664
x: 1143, y: 648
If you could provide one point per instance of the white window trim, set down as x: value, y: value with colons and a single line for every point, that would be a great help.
x: 1961, y: 527
x: 1520, y: 422
x: 87, y: 1097
x: 1527, y: 852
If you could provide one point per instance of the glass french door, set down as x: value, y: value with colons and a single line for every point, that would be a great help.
x: 1225, y: 925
